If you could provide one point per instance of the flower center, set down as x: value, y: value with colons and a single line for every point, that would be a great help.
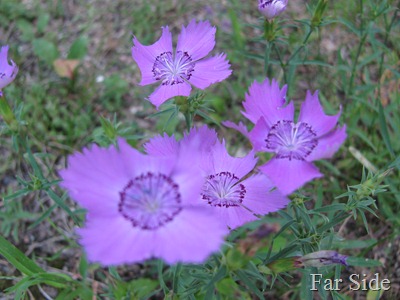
x: 290, y: 140
x: 173, y: 70
x: 150, y: 200
x: 263, y: 3
x: 223, y: 189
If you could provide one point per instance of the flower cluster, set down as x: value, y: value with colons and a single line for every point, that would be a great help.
x: 176, y: 202
x: 179, y: 199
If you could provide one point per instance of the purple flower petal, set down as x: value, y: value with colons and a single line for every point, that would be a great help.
x: 165, y: 92
x: 114, y: 241
x: 202, y: 138
x: 209, y: 71
x: 162, y: 145
x: 328, y: 144
x: 289, y: 175
x: 190, y: 151
x: 312, y: 113
x: 195, y: 146
x: 271, y: 9
x: 260, y: 198
x: 258, y: 135
x: 192, y: 237
x: 8, y: 70
x: 221, y: 161
x: 239, y: 127
x: 145, y: 56
x: 267, y: 100
x: 197, y: 39
x: 234, y: 217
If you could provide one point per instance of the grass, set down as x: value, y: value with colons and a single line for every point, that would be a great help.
x: 352, y: 58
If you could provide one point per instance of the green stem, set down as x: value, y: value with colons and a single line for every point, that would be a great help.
x: 360, y: 45
x: 388, y: 29
x: 283, y: 66
x: 353, y: 70
x: 266, y: 57
x: 189, y: 120
x: 302, y: 46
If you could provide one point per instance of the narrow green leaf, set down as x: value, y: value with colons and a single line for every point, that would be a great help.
x: 363, y: 262
x: 18, y: 259
x: 17, y: 194
x: 250, y: 284
x: 211, y: 285
x: 42, y: 217
x: 384, y: 129
x: 332, y: 207
x: 60, y: 202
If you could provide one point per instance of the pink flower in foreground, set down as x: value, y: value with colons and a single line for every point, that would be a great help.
x: 8, y: 71
x: 177, y: 70
x: 296, y: 144
x: 235, y: 198
x: 140, y: 207
x: 272, y: 8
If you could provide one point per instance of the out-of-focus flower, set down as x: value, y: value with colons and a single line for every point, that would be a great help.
x: 271, y: 8
x: 322, y: 258
x: 235, y: 197
x: 177, y: 70
x: 140, y: 206
x: 296, y: 144
x: 8, y: 69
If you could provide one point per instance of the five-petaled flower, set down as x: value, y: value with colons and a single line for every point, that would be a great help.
x: 140, y: 206
x: 235, y: 197
x: 8, y: 69
x: 177, y: 70
x: 271, y: 8
x: 296, y: 144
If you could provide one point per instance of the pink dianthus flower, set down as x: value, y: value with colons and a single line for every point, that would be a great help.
x: 178, y: 70
x: 296, y: 145
x: 140, y: 207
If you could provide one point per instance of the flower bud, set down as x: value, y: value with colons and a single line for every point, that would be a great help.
x: 322, y: 258
x: 271, y: 8
x: 7, y: 71
x: 319, y: 12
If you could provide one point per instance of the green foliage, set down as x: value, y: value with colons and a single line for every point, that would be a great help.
x: 45, y: 50
x: 78, y: 49
x: 351, y: 55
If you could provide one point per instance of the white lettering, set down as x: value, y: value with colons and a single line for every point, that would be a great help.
x: 336, y: 288
x: 374, y: 281
x: 314, y: 281
x: 385, y: 281
x: 355, y: 282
